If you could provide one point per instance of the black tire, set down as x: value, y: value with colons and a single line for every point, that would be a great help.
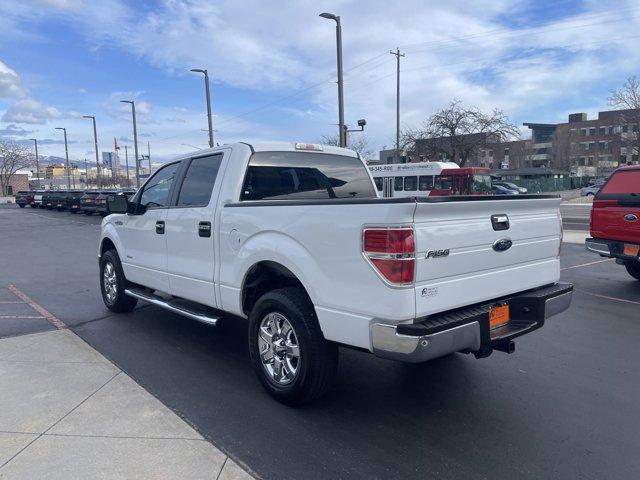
x: 73, y: 211
x: 317, y: 363
x: 33, y: 205
x: 119, y: 302
x: 21, y: 205
x: 87, y: 213
x: 633, y: 268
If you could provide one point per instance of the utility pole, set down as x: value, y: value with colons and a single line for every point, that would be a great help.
x: 341, y: 126
x: 135, y: 139
x: 66, y: 154
x: 398, y: 55
x: 208, y: 96
x: 35, y: 141
x: 126, y: 160
x: 95, y: 146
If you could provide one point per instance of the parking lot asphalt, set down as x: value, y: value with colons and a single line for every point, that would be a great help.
x: 564, y: 405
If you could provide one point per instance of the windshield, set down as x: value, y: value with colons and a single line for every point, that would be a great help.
x: 480, y: 184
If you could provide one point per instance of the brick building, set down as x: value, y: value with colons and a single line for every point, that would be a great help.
x: 17, y: 182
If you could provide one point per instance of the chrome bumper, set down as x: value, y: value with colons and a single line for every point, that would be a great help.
x: 598, y: 246
x: 528, y: 312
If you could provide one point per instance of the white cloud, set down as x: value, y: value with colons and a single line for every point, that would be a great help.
x: 9, y: 83
x: 31, y: 111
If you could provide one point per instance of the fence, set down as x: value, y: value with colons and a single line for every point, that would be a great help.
x: 538, y: 185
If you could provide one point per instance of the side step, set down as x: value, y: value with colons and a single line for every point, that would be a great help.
x: 181, y: 307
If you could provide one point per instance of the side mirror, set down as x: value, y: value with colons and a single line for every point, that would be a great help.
x: 117, y: 204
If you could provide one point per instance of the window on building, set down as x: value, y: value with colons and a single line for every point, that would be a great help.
x: 491, y: 153
x: 581, y: 161
x: 590, y: 161
x: 602, y: 131
x: 506, y: 152
x: 592, y: 131
x: 583, y: 132
x: 625, y: 128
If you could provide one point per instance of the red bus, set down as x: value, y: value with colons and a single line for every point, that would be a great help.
x: 462, y: 181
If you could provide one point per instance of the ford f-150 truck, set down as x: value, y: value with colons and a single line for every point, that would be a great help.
x: 294, y: 238
x: 615, y: 220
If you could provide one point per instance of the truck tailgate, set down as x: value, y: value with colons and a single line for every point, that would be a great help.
x: 463, y: 259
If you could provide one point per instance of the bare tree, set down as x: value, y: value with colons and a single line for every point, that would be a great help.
x: 627, y: 98
x: 458, y: 131
x: 359, y: 144
x: 13, y: 157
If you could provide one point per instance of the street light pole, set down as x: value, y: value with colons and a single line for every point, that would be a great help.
x: 95, y: 143
x: 135, y: 138
x: 126, y: 160
x: 341, y: 126
x: 208, y: 95
x: 66, y: 154
x: 398, y: 55
x: 35, y: 141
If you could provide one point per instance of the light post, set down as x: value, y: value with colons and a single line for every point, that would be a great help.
x: 35, y: 141
x: 135, y: 139
x: 361, y: 123
x: 95, y: 143
x: 126, y: 161
x: 66, y: 154
x: 208, y: 95
x: 341, y: 126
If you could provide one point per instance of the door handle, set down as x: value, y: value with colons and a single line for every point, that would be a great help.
x: 204, y: 229
x: 160, y: 227
x: 500, y: 222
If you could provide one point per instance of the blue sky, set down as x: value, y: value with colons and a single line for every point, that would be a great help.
x: 272, y: 66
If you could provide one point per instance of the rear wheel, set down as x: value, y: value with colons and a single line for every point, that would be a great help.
x: 113, y: 283
x: 293, y: 361
x: 633, y: 268
x: 21, y: 205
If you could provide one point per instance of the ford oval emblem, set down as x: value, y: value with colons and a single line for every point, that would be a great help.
x: 502, y: 245
x: 631, y: 217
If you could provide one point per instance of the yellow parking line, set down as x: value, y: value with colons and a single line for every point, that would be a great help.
x: 587, y: 264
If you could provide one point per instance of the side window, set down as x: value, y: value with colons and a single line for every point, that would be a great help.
x: 425, y: 183
x: 156, y: 191
x: 198, y: 181
x: 410, y: 184
x: 398, y: 183
x: 378, y: 181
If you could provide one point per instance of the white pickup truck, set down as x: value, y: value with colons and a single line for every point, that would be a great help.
x: 294, y: 238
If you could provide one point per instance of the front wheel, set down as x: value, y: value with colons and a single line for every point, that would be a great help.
x: 633, y: 268
x: 291, y: 357
x: 113, y: 283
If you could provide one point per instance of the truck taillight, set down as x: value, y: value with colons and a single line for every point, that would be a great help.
x: 391, y: 251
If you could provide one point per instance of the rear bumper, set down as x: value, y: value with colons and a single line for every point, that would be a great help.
x: 467, y: 329
x: 610, y: 248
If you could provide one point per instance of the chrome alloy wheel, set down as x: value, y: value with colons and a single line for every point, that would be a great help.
x: 109, y: 281
x: 279, y: 350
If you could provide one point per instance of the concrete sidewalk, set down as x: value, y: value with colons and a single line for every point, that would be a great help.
x: 66, y: 412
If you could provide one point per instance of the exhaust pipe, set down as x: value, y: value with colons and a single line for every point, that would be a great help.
x: 506, y: 347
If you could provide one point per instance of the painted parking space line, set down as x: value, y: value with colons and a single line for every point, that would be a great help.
x: 606, y: 297
x: 56, y: 322
x: 11, y: 317
x: 587, y: 264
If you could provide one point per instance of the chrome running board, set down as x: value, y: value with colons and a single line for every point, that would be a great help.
x: 173, y: 306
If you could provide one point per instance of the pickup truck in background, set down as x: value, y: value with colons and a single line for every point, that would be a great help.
x: 615, y: 220
x: 294, y: 238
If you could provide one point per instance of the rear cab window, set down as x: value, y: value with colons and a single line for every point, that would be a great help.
x: 305, y: 176
x: 623, y: 182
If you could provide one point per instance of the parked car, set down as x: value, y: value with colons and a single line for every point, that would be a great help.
x: 615, y: 220
x: 100, y: 202
x: 511, y: 186
x: 48, y: 199
x: 500, y: 190
x: 296, y: 240
x: 87, y: 202
x: 73, y: 200
x: 60, y: 200
x: 37, y: 198
x: 591, y: 190
x: 23, y: 198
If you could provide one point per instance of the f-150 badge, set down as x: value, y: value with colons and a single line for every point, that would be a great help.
x: 437, y: 253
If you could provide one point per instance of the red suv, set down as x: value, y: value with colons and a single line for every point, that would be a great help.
x: 615, y: 220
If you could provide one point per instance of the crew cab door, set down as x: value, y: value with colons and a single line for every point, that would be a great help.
x: 190, y: 230
x: 143, y: 231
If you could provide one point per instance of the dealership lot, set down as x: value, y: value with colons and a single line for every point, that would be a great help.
x: 563, y: 406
